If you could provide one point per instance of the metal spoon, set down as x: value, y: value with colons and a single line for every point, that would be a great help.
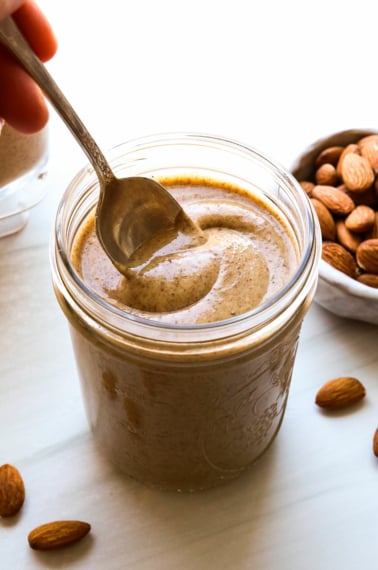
x: 130, y: 211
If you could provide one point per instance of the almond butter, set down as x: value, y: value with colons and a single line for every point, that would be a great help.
x: 326, y: 221
x: 356, y: 173
x: 367, y: 255
x: 326, y: 174
x: 57, y: 534
x: 361, y: 219
x: 340, y: 393
x: 12, y: 490
x: 368, y: 279
x: 346, y: 238
x: 334, y: 199
x: 329, y: 155
x: 337, y: 256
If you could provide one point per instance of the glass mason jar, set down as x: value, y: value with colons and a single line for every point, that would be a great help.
x: 186, y: 407
x: 23, y: 162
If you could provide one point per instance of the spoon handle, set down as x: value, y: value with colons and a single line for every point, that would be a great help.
x: 14, y: 41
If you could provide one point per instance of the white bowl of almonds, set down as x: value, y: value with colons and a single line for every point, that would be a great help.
x: 340, y: 175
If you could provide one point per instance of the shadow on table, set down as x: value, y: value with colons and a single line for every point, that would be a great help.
x: 65, y: 557
x: 214, y: 529
x: 140, y: 528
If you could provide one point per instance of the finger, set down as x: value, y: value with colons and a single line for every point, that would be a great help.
x: 36, y: 29
x: 8, y: 6
x: 22, y: 104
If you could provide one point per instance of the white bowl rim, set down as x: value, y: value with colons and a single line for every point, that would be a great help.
x: 351, y: 286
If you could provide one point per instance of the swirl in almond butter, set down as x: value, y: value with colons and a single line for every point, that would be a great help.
x: 248, y: 256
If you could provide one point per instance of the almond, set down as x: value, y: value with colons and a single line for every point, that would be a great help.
x: 334, y: 199
x: 367, y: 255
x: 326, y: 174
x: 326, y: 221
x: 12, y: 490
x: 367, y: 197
x: 368, y: 279
x: 57, y: 534
x: 344, y: 189
x: 375, y: 443
x: 340, y: 393
x: 346, y: 238
x: 337, y: 256
x: 361, y: 219
x: 369, y: 150
x: 356, y: 172
x: 349, y: 149
x: 307, y: 186
x: 342, y: 185
x: 373, y: 231
x: 367, y: 139
x: 329, y: 155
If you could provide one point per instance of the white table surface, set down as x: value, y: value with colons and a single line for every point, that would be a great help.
x: 276, y: 76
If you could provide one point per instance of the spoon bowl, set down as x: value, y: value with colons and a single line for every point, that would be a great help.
x: 128, y: 220
x: 131, y: 211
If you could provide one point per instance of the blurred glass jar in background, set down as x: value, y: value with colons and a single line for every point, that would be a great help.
x: 23, y: 160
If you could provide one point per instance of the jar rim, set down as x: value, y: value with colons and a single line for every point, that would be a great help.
x: 255, y: 318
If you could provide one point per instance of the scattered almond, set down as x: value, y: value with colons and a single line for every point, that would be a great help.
x: 57, y: 534
x: 12, y: 490
x: 340, y: 393
x: 375, y: 443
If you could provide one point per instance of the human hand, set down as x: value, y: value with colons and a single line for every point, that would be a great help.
x: 22, y: 104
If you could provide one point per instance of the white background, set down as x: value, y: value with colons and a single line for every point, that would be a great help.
x: 275, y: 75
